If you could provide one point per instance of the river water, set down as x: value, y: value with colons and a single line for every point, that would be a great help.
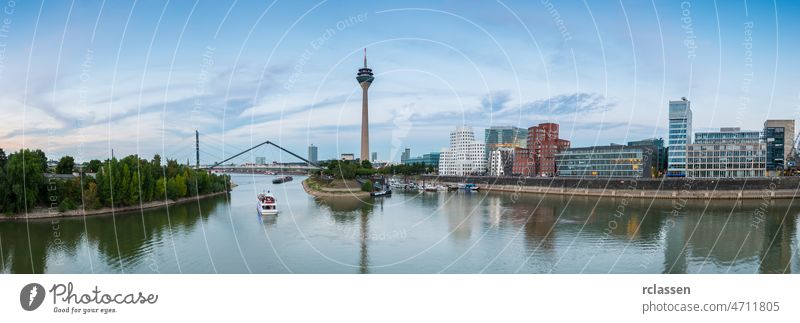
x: 449, y: 232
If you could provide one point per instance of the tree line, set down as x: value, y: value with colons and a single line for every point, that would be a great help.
x: 350, y: 169
x: 24, y: 184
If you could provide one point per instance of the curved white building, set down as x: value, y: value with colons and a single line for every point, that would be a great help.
x: 465, y: 156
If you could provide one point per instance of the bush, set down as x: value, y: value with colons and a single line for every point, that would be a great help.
x: 367, y: 186
x: 66, y: 205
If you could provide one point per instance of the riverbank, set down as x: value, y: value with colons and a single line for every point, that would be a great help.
x: 44, y: 213
x: 320, y: 190
x: 649, y: 188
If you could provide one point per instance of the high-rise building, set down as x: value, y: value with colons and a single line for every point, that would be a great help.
x: 374, y: 156
x: 465, y: 156
x: 365, y: 78
x: 729, y: 152
x: 261, y: 160
x: 606, y: 161
x: 779, y: 140
x: 312, y: 154
x: 504, y: 137
x: 680, y: 135
x: 406, y: 155
x: 538, y: 159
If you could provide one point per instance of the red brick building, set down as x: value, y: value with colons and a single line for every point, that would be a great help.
x: 539, y: 158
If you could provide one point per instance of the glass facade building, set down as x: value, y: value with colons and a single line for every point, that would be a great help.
x: 605, y: 161
x: 431, y: 159
x: 779, y: 140
x: 680, y: 135
x: 504, y: 137
x: 659, y: 163
x: 312, y: 154
x: 729, y: 152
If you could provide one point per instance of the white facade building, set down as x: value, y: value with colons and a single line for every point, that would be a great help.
x: 501, y: 162
x: 465, y: 156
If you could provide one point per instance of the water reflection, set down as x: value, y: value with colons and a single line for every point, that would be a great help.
x: 415, y: 233
x: 39, y: 246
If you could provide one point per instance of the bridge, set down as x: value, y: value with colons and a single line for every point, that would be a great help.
x: 215, y: 148
x: 310, y: 164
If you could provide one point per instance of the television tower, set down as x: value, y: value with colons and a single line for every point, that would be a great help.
x: 364, y: 78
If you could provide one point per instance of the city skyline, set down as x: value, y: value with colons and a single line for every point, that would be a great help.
x: 244, y: 73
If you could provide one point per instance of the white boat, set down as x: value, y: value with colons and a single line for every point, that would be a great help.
x: 267, y: 204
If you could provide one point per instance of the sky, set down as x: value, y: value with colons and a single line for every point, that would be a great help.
x: 86, y: 77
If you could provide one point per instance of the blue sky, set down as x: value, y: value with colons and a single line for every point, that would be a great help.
x: 84, y: 77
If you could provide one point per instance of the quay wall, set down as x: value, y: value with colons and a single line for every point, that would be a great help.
x: 666, y: 188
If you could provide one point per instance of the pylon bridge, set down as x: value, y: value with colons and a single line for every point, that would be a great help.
x: 215, y: 149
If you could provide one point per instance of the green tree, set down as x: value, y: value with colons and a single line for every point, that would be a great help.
x: 94, y: 166
x: 3, y: 159
x: 366, y: 164
x: 367, y: 186
x: 65, y: 165
x: 5, y: 188
x: 91, y: 198
x: 25, y: 177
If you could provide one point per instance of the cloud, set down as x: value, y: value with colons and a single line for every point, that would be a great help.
x: 581, y: 103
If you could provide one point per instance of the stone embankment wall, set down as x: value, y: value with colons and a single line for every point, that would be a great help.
x: 668, y: 188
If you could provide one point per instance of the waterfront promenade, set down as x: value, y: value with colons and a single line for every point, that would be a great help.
x: 661, y: 188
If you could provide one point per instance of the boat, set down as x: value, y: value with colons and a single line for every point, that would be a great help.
x: 429, y: 188
x: 471, y: 187
x: 281, y: 180
x: 381, y: 193
x: 267, y: 204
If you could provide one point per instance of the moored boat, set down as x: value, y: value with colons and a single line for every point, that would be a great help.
x: 281, y: 180
x: 381, y: 193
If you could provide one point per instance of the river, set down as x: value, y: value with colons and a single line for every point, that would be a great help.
x: 448, y: 232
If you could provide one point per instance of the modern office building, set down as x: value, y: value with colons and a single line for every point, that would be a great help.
x: 501, y: 161
x: 431, y: 159
x: 729, y: 152
x: 779, y: 140
x: 374, y: 156
x: 348, y: 156
x: 406, y: 155
x: 538, y: 158
x: 659, y: 163
x: 465, y: 156
x: 364, y: 78
x: 504, y: 137
x: 606, y: 161
x: 680, y: 135
x: 261, y: 160
x: 312, y: 154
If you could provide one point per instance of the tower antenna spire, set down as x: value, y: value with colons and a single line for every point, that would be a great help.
x: 365, y: 57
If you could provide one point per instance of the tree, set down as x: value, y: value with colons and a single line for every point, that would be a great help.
x: 4, y: 186
x: 65, y: 165
x: 91, y: 198
x: 94, y: 165
x: 367, y: 186
x: 366, y: 164
x: 3, y: 159
x: 25, y: 177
